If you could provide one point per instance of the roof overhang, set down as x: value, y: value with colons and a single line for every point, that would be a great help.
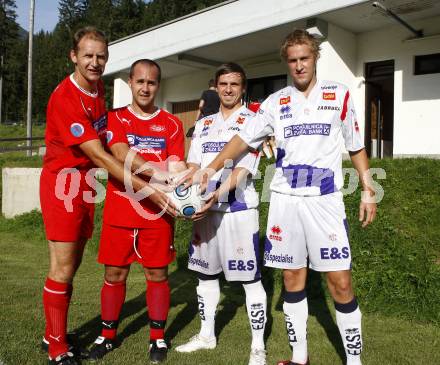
x: 248, y: 30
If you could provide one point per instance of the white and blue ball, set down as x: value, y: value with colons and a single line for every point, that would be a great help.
x: 187, y: 201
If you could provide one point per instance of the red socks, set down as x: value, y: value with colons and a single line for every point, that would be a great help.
x: 56, y: 299
x: 158, y: 303
x: 112, y: 299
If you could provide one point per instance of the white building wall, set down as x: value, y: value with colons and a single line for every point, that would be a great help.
x: 343, y: 58
x: 121, y: 91
x: 416, y: 98
x: 338, y: 62
x: 186, y: 87
x: 190, y: 86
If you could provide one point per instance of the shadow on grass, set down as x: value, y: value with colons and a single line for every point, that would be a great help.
x: 182, y: 283
x: 319, y: 308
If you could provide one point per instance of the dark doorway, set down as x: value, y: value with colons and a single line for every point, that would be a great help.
x: 379, y: 108
x: 259, y: 89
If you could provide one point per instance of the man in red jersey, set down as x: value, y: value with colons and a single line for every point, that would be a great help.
x: 141, y: 233
x: 73, y: 130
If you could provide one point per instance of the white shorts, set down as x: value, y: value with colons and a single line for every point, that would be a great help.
x: 227, y: 242
x: 313, y: 227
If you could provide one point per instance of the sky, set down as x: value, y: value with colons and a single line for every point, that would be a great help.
x: 46, y: 14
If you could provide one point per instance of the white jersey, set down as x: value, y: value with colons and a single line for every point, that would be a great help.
x: 210, y: 136
x: 309, y: 133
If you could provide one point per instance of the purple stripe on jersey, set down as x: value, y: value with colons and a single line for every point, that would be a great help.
x: 302, y: 176
x: 256, y: 241
x: 281, y: 153
x: 267, y: 245
x: 346, y: 228
x: 235, y: 200
x: 191, y: 249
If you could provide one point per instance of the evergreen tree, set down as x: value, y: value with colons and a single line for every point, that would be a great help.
x: 117, y: 18
x: 71, y: 13
x: 12, y: 63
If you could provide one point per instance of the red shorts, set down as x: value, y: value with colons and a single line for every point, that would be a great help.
x: 151, y: 247
x: 67, y: 216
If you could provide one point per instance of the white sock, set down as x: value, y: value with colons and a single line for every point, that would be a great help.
x: 256, y: 303
x: 349, y: 325
x: 208, y: 296
x: 296, y: 315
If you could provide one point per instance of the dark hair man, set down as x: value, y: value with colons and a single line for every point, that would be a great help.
x: 307, y: 223
x: 221, y: 242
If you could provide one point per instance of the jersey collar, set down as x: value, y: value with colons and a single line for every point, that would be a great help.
x: 84, y: 91
x: 143, y: 117
x: 233, y: 116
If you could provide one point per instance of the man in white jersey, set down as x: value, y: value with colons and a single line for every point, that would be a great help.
x: 220, y: 241
x: 307, y: 223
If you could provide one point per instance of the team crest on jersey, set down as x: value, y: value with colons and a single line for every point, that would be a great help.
x: 356, y: 126
x: 77, y: 129
x: 329, y: 96
x: 109, y: 136
x: 206, y: 125
x: 157, y: 128
x: 284, y: 101
x: 240, y: 120
x: 275, y: 233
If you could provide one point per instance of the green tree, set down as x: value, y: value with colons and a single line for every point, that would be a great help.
x: 12, y: 63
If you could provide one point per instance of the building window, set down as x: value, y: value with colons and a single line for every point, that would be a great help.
x: 427, y: 64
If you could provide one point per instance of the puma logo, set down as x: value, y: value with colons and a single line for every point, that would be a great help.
x: 57, y: 339
x: 108, y: 325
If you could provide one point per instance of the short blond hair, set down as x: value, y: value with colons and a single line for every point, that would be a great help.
x: 300, y: 36
x: 88, y: 32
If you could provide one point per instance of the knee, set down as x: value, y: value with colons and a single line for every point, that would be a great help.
x: 341, y: 287
x: 115, y: 274
x: 156, y: 275
x: 115, y: 277
x: 294, y: 280
x: 62, y: 273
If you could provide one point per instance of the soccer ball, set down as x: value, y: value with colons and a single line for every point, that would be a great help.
x: 187, y: 201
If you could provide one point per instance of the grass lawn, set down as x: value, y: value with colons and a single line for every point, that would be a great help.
x: 396, y: 275
x: 388, y: 340
x: 19, y: 131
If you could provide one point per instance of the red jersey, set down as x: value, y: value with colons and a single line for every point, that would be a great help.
x: 74, y: 116
x: 155, y: 138
x: 254, y: 106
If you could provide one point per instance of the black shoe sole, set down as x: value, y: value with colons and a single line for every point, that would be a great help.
x: 72, y: 340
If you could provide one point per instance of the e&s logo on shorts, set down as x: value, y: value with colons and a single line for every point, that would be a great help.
x: 76, y: 129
